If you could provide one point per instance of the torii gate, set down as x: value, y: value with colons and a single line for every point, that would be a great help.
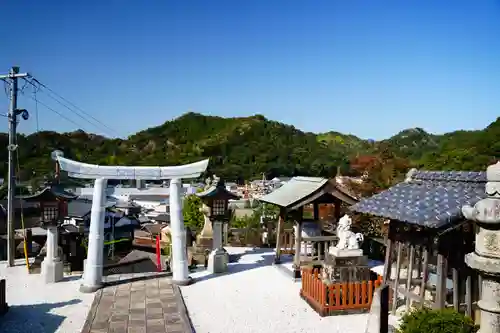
x: 93, y: 271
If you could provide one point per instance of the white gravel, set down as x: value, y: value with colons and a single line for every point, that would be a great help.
x: 256, y: 297
x: 36, y: 307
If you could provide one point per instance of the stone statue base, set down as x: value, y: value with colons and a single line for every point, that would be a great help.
x: 52, y: 270
x: 217, y: 261
x: 348, y: 266
x: 204, y: 242
x: 345, y: 252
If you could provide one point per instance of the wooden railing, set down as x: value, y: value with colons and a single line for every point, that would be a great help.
x: 337, y: 297
x: 314, y: 249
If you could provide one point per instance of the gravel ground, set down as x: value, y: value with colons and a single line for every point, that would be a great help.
x: 36, y: 307
x: 255, y: 297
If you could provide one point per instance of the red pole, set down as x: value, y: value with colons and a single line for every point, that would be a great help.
x: 158, y: 254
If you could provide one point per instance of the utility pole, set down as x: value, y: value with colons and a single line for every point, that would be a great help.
x: 12, y: 116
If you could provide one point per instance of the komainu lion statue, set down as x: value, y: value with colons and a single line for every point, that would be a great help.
x: 347, y: 239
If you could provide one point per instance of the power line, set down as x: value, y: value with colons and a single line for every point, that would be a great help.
x: 56, y: 112
x: 72, y: 107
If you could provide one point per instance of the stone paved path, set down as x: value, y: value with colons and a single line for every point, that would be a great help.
x: 152, y: 305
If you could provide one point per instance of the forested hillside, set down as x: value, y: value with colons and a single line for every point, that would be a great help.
x: 246, y: 147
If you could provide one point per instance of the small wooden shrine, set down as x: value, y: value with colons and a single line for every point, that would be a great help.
x: 428, y: 238
x: 310, y: 239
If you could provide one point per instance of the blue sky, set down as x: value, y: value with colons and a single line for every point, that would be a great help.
x: 370, y: 68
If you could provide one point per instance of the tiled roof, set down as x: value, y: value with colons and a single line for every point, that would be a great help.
x: 49, y: 193
x: 79, y: 208
x: 294, y: 190
x: 432, y: 199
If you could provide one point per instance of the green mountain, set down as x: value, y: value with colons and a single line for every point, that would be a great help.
x: 245, y: 147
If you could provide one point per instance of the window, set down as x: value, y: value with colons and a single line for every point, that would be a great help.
x: 50, y: 213
x: 219, y: 208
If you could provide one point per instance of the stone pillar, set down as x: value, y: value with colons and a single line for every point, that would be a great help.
x: 217, y: 227
x: 486, y: 257
x: 218, y: 258
x: 180, y: 273
x: 92, y: 276
x: 52, y: 265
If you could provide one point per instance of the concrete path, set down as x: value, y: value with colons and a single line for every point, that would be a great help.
x: 138, y: 304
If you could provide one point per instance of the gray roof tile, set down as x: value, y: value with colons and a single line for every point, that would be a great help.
x: 432, y: 199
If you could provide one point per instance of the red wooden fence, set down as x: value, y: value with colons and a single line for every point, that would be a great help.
x: 337, y: 297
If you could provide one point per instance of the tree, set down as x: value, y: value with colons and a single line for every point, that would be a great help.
x: 193, y: 217
x: 378, y: 171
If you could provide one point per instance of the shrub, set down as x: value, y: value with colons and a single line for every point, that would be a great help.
x: 436, y: 321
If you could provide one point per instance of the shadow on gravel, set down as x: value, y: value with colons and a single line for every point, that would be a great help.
x: 33, y: 318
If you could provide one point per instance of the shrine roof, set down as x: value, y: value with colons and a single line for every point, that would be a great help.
x: 50, y: 193
x: 432, y: 199
x: 298, y: 190
x: 218, y: 189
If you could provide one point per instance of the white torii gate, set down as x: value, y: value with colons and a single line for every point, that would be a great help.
x: 92, y: 277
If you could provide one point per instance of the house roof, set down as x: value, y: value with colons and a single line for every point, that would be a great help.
x: 149, y: 197
x: 298, y: 189
x: 162, y: 218
x: 431, y: 199
x: 79, y: 208
x: 50, y: 193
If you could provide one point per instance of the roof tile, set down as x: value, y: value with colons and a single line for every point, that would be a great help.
x: 429, y: 198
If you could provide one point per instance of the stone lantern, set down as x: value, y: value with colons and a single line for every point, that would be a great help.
x: 486, y: 257
x: 53, y: 203
x: 215, y: 198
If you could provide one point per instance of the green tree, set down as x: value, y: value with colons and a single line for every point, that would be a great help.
x: 193, y: 217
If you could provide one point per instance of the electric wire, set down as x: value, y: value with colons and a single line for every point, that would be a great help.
x: 37, y: 102
x: 35, y: 97
x: 72, y: 107
x: 56, y: 112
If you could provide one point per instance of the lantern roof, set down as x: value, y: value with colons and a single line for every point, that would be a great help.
x: 48, y: 194
x: 217, y: 190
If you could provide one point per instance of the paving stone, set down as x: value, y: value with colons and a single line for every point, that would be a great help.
x: 137, y: 323
x: 119, y: 318
x: 99, y: 330
x: 175, y: 328
x: 118, y: 328
x: 154, y: 316
x: 170, y: 308
x: 155, y: 325
x: 172, y: 318
x: 137, y: 330
x: 138, y: 305
x: 150, y: 310
x: 100, y: 325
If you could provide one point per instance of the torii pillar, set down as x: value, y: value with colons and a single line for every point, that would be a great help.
x: 93, y: 271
